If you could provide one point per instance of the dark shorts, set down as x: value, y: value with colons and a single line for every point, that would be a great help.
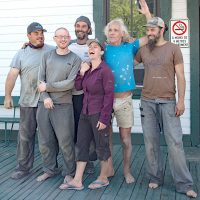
x: 87, y: 132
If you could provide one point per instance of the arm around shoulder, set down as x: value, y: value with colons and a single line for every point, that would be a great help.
x: 143, y: 41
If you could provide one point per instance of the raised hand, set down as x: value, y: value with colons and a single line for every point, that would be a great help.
x: 144, y: 9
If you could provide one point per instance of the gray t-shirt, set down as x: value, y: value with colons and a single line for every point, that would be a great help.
x: 27, y: 61
x: 59, y: 73
x: 80, y: 50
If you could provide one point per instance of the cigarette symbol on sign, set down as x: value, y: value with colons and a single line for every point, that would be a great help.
x: 179, y: 28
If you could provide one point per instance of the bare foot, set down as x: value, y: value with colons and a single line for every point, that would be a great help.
x: 153, y: 185
x: 129, y: 178
x: 191, y: 193
x: 67, y: 179
x: 43, y: 177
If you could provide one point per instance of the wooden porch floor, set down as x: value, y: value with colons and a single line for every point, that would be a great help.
x: 29, y: 188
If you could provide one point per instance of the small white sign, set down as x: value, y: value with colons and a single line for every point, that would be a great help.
x: 180, y: 32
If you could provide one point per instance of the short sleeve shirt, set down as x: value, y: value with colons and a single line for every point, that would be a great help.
x: 80, y: 50
x: 120, y: 59
x: 159, y: 65
x: 27, y: 61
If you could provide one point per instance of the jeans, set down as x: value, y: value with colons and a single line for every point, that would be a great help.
x: 156, y: 116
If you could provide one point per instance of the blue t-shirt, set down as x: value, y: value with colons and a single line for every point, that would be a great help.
x: 121, y: 61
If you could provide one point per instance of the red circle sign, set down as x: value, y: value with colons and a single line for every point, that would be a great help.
x: 179, y: 28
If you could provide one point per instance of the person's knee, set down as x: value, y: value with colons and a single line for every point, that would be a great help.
x: 126, y: 142
x: 175, y: 146
x: 44, y: 150
x: 81, y: 154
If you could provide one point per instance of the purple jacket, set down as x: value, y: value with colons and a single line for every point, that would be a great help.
x: 98, y: 87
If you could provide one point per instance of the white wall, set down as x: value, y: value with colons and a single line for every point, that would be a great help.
x: 179, y: 11
x: 16, y: 15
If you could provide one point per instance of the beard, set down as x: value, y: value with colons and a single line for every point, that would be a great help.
x: 153, y: 41
x: 81, y: 35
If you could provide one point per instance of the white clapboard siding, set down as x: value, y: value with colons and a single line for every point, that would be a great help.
x: 179, y: 11
x: 16, y: 15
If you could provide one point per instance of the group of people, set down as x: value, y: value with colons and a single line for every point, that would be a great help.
x: 71, y: 93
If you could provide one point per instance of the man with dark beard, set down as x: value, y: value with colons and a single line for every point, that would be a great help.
x: 159, y: 110
x: 79, y: 47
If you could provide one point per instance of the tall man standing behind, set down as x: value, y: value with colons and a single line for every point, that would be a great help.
x: 79, y: 47
x: 162, y: 61
x: 26, y: 64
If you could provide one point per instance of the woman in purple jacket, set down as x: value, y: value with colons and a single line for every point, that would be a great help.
x: 97, y: 82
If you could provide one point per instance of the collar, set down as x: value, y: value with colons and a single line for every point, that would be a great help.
x: 34, y: 47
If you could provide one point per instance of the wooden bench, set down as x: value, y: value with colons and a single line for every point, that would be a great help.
x: 11, y: 119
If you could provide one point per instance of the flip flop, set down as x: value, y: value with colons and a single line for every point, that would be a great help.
x: 67, y: 186
x: 67, y: 179
x: 99, y: 184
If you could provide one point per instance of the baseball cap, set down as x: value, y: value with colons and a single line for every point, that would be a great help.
x: 35, y: 26
x: 96, y: 41
x: 155, y: 22
x: 86, y: 20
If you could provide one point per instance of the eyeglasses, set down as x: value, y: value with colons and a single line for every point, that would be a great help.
x: 60, y: 37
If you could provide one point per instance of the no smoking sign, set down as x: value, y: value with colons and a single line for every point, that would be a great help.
x: 179, y: 32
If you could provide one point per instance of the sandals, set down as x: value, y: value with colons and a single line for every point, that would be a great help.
x: 67, y: 186
x: 98, y: 184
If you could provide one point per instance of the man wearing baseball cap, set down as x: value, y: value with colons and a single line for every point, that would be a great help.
x: 155, y: 22
x: 35, y: 26
x: 160, y: 111
x: 79, y: 47
x: 25, y: 64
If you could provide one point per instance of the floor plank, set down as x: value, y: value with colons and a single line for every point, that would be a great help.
x: 29, y: 189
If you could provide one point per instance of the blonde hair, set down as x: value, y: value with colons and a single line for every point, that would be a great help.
x: 122, y: 26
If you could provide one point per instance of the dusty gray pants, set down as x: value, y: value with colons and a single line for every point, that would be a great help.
x: 156, y: 114
x: 56, y: 129
x: 26, y: 138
